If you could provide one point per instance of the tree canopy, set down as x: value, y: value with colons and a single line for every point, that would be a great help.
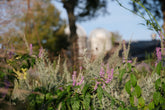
x: 46, y: 28
x: 80, y: 10
x: 156, y: 7
x: 42, y: 27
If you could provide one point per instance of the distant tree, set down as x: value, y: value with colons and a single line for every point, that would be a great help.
x: 40, y: 21
x: 45, y: 28
x: 156, y: 7
x: 79, y: 10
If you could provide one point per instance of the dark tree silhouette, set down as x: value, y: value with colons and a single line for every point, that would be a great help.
x: 79, y: 10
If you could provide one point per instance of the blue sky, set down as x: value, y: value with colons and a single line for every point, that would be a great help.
x: 119, y: 20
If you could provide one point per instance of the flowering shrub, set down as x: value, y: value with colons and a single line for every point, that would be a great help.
x: 40, y: 84
x: 107, y: 87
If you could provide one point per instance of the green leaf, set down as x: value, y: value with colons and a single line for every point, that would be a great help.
x: 158, y: 68
x: 141, y: 102
x: 68, y: 105
x: 157, y: 84
x: 131, y: 100
x: 76, y: 105
x: 163, y: 87
x: 87, y: 101
x: 132, y: 108
x: 129, y: 67
x: 137, y: 91
x: 133, y: 80
x: 156, y: 97
x: 122, y: 72
x: 2, y: 74
x: 128, y: 87
x: 162, y: 100
x: 147, y: 22
x: 120, y: 108
x: 100, y: 93
x: 112, y: 102
x: 59, y: 106
x: 145, y: 108
x: 151, y: 106
x: 84, y: 91
x: 64, y: 106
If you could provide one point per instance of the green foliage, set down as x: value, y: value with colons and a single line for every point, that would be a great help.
x: 67, y: 98
x: 100, y: 93
x: 42, y: 85
x: 158, y: 68
x: 44, y: 28
x: 133, y: 80
x: 128, y: 87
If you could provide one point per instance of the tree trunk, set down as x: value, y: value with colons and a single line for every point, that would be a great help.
x: 73, y: 38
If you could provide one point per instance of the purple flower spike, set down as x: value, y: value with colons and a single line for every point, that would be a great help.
x: 74, y: 78
x: 123, y: 60
x: 107, y: 81
x: 80, y: 67
x: 82, y: 79
x: 60, y: 88
x: 156, y: 64
x: 96, y: 85
x: 158, y: 53
x: 129, y: 61
x: 11, y: 54
x: 108, y: 70
x: 31, y: 49
x: 102, y: 72
x: 110, y: 76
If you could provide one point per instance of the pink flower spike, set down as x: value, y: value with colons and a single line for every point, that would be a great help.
x: 156, y: 64
x: 74, y: 83
x: 102, y: 72
x: 107, y: 81
x: 123, y: 60
x: 74, y: 78
x: 103, y: 86
x: 158, y: 53
x: 112, y: 70
x: 80, y: 67
x: 60, y: 88
x: 31, y: 49
x: 132, y: 70
x: 129, y: 61
x: 74, y: 73
x: 40, y: 52
x: 82, y: 79
x: 96, y: 85
x: 108, y: 70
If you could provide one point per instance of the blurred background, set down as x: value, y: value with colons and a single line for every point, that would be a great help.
x: 120, y: 20
x: 56, y: 25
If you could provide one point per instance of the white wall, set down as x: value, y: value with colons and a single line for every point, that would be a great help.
x: 100, y: 41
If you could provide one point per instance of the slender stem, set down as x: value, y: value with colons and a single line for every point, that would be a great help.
x: 153, y: 22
